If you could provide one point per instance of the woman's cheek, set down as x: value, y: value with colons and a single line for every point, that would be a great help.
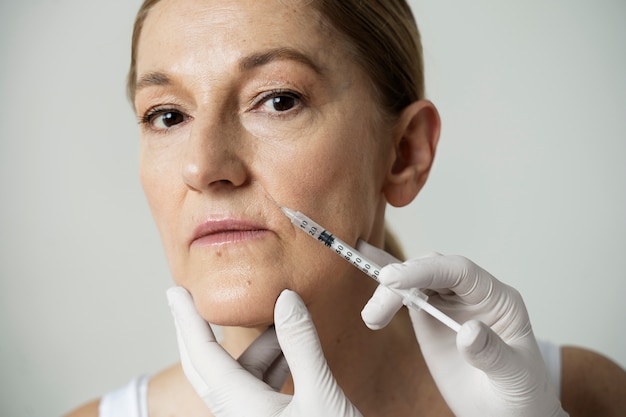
x: 164, y: 191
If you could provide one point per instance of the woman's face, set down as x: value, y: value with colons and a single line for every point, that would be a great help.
x: 243, y: 103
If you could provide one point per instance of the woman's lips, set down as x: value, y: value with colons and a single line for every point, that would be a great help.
x: 222, y: 232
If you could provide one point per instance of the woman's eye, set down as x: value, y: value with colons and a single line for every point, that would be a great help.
x: 283, y: 103
x: 279, y: 102
x: 163, y: 119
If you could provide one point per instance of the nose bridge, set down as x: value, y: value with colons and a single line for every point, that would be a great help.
x: 214, y: 153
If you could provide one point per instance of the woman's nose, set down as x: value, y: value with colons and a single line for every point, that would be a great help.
x: 213, y: 157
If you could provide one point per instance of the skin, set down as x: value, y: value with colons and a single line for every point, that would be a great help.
x: 233, y: 150
x: 324, y: 149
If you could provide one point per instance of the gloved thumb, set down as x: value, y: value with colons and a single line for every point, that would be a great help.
x: 506, y: 366
x: 483, y: 349
x: 195, y: 341
x: 301, y: 346
x: 517, y: 374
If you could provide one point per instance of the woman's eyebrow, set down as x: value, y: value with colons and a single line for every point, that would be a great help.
x: 152, y: 79
x: 256, y: 60
x: 245, y: 64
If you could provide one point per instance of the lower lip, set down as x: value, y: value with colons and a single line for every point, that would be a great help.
x: 228, y: 237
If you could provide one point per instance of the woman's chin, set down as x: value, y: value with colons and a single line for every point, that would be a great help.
x: 232, y: 306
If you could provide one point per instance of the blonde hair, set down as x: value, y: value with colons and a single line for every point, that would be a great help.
x: 392, y: 246
x: 384, y: 40
x: 386, y: 44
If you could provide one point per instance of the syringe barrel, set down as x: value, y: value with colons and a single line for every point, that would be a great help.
x: 340, y: 247
x: 413, y: 298
x: 306, y: 224
x: 359, y: 261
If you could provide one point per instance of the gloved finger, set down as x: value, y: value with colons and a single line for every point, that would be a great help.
x: 301, y: 347
x: 214, y: 374
x: 264, y: 359
x: 190, y: 325
x: 515, y: 372
x: 456, y: 273
x: 375, y: 254
x: 190, y: 372
x: 484, y: 349
x: 381, y: 308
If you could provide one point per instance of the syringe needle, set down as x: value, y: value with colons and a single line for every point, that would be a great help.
x: 289, y: 213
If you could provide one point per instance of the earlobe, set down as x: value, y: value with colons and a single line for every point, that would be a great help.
x: 416, y: 135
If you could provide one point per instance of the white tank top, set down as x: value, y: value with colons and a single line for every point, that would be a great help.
x: 131, y: 400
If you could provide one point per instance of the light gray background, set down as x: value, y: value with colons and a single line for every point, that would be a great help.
x: 529, y: 182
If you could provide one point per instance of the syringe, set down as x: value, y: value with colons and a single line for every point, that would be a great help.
x: 413, y: 298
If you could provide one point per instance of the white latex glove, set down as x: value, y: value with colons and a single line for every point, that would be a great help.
x: 493, y: 366
x: 248, y: 386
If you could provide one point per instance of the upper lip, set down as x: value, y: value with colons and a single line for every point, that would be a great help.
x: 211, y: 227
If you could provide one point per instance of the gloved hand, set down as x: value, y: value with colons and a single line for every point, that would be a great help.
x: 493, y: 366
x: 248, y: 386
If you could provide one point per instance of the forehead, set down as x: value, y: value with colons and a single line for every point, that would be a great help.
x: 225, y: 30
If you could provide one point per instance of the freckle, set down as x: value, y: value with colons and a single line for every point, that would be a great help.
x: 218, y: 253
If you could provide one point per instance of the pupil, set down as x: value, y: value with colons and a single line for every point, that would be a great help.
x: 170, y: 119
x: 283, y: 103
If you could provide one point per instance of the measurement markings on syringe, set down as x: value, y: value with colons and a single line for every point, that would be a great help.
x: 330, y: 241
x: 326, y: 238
x: 349, y: 256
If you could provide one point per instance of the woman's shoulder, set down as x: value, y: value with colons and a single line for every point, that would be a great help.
x: 171, y: 394
x: 592, y: 384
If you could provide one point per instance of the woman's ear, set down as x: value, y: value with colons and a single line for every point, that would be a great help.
x: 415, y: 137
